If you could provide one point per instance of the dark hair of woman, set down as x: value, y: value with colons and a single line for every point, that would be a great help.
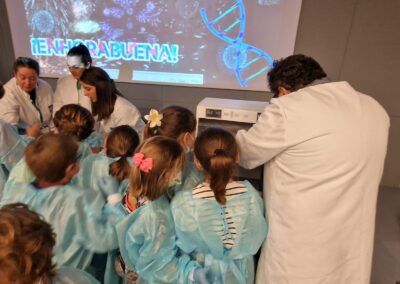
x: 28, y: 63
x: 83, y: 52
x: 106, y: 91
x: 2, y: 91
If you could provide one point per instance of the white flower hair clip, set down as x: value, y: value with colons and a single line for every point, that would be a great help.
x: 154, y: 118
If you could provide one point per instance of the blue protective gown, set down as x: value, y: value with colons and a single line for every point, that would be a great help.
x: 83, y: 223
x: 69, y: 275
x: 196, y: 223
x: 11, y: 151
x: 191, y: 176
x: 147, y: 244
x: 93, y: 169
x: 94, y: 140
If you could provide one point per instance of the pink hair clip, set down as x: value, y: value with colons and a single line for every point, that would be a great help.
x: 144, y: 164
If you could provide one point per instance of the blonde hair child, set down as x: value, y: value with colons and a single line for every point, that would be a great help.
x: 146, y: 236
x: 177, y: 123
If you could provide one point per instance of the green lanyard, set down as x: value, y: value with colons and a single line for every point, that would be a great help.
x: 78, y: 87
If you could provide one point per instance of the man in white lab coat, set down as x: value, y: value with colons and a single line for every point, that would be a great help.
x: 323, y: 145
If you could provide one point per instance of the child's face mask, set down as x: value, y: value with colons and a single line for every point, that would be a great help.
x: 176, y: 181
x: 188, y: 148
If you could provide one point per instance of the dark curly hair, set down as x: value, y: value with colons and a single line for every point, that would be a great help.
x: 26, y: 246
x: 293, y: 73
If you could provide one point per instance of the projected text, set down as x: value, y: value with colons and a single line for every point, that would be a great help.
x: 136, y: 51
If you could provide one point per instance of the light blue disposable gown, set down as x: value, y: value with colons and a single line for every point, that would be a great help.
x: 83, y: 223
x: 196, y: 220
x: 70, y: 275
x: 147, y: 244
x: 11, y: 151
x: 94, y: 140
x: 21, y: 174
x: 191, y: 176
x: 94, y: 168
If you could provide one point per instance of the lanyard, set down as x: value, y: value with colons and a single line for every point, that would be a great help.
x: 34, y: 99
x: 79, y: 89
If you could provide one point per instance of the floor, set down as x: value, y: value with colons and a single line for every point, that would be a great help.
x: 386, y: 259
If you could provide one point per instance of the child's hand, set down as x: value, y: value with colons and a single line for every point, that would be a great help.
x: 96, y: 150
x: 200, y: 275
x: 109, y: 185
x: 34, y: 130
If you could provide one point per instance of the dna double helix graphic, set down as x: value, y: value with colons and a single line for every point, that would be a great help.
x: 245, y: 54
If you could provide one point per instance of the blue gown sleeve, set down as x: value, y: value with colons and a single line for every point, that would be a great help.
x: 147, y: 244
x: 72, y: 275
x: 93, y: 168
x: 95, y: 223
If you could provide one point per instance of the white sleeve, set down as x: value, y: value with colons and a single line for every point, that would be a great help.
x: 264, y: 140
x: 9, y: 108
x: 130, y: 115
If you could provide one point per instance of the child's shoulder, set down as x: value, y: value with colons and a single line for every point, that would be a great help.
x: 95, y: 160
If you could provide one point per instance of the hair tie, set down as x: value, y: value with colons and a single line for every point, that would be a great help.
x: 219, y: 152
x: 154, y: 118
x: 144, y: 164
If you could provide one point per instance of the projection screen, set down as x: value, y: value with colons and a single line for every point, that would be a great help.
x: 215, y: 44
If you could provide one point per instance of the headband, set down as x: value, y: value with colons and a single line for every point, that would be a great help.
x: 75, y: 61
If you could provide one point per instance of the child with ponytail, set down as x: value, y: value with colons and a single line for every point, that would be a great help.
x: 114, y: 161
x: 146, y: 236
x: 177, y: 123
x: 220, y: 222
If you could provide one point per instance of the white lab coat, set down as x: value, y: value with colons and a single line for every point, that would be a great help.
x: 16, y: 106
x: 323, y: 148
x: 67, y: 93
x: 125, y: 113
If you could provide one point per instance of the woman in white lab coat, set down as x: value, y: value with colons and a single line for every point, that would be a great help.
x: 69, y: 90
x: 108, y: 106
x: 323, y: 145
x: 27, y: 98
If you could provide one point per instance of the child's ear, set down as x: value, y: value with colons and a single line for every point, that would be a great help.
x: 71, y: 171
x: 197, y: 164
x: 181, y: 139
x: 105, y: 143
x: 237, y: 160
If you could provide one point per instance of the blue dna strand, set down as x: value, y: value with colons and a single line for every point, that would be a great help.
x: 246, y: 55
